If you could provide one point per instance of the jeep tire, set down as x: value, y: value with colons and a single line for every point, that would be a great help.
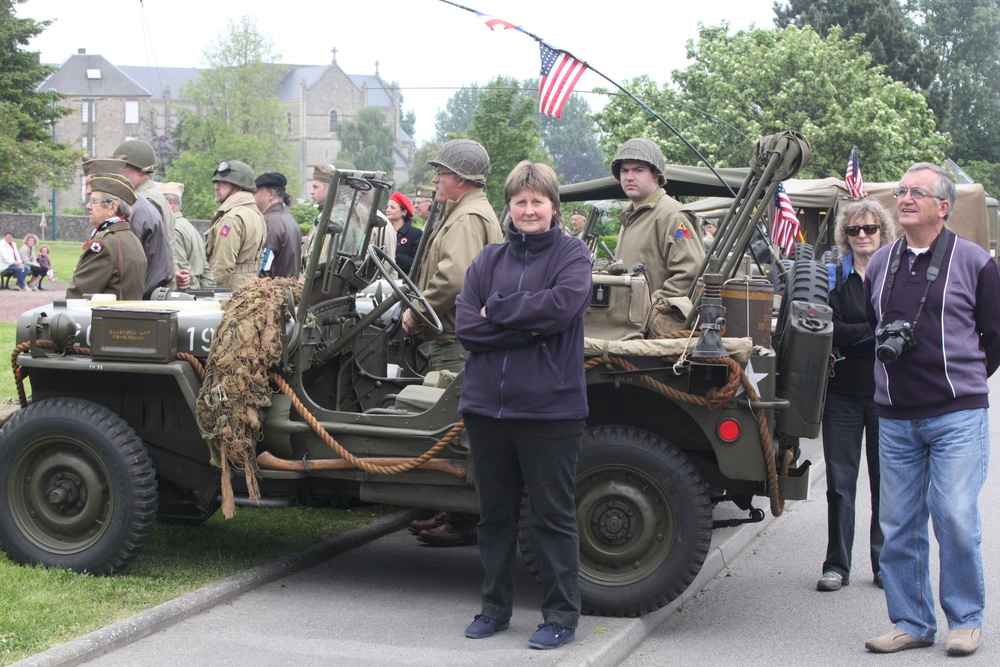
x: 78, y: 488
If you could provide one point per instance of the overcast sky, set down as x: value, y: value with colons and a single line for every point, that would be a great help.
x: 430, y: 48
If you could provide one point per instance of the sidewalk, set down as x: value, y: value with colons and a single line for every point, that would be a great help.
x: 390, y: 601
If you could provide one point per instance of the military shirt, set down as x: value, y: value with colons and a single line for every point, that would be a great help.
x: 189, y: 251
x: 112, y: 263
x: 235, y: 241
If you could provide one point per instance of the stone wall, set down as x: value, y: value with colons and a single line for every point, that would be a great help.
x: 68, y: 227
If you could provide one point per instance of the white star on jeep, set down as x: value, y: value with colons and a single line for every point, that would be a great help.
x: 754, y: 377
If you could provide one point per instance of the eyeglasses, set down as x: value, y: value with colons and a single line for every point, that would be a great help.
x: 438, y: 175
x: 222, y: 169
x: 854, y: 230
x: 97, y: 202
x: 916, y: 193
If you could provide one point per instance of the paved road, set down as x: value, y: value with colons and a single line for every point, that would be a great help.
x: 394, y: 602
x: 764, y: 609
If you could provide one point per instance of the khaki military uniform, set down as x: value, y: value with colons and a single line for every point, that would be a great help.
x: 468, y: 226
x: 235, y: 241
x: 112, y: 263
x: 666, y: 239
x: 189, y: 253
x: 149, y: 190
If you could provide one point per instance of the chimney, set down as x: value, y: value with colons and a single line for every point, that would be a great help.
x: 81, y: 52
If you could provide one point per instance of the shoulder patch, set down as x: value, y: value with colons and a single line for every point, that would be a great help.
x: 225, y: 229
x: 95, y: 246
x: 682, y: 232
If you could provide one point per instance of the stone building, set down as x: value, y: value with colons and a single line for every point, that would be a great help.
x: 113, y: 103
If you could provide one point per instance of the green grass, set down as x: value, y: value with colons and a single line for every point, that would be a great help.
x: 41, y: 608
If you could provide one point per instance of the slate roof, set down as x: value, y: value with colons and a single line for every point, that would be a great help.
x: 72, y: 79
x: 155, y: 79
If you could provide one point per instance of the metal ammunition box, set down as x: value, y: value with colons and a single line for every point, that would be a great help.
x: 118, y: 334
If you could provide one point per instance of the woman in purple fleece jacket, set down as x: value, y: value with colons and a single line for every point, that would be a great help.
x: 524, y: 400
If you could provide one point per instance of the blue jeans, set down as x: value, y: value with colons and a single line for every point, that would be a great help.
x: 933, y: 468
x: 509, y: 456
x: 849, y: 420
x: 20, y: 271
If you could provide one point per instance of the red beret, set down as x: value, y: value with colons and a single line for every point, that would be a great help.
x: 403, y: 201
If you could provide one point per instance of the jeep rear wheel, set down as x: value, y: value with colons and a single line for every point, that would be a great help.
x: 79, y: 491
x: 645, y: 522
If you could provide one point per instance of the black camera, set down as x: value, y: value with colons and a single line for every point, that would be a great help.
x: 893, y: 340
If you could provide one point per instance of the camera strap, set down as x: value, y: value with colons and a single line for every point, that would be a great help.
x: 933, y: 269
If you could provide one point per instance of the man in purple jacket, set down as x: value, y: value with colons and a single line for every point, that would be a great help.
x: 933, y: 301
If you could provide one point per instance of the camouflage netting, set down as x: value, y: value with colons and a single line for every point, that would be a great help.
x: 247, y: 344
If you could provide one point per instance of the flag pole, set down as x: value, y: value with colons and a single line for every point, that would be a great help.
x: 617, y: 85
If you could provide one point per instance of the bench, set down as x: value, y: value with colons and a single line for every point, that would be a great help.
x: 6, y: 275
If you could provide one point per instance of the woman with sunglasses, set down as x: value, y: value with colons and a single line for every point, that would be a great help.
x: 862, y: 227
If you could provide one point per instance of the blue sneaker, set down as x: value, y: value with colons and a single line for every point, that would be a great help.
x: 484, y: 626
x: 551, y: 635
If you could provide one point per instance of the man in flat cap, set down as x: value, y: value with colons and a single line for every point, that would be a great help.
x: 146, y: 224
x: 577, y: 224
x: 235, y: 239
x: 283, y: 246
x: 112, y: 261
x: 189, y: 250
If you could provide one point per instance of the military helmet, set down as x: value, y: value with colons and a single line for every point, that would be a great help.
x: 466, y: 158
x: 137, y: 153
x: 639, y: 150
x: 238, y: 173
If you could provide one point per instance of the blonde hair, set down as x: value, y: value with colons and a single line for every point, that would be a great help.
x: 862, y: 209
x: 30, y: 236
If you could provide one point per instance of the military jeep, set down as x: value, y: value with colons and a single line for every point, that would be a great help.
x: 110, y: 440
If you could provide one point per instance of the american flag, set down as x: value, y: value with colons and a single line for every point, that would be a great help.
x: 559, y: 74
x: 785, y: 226
x: 855, y: 185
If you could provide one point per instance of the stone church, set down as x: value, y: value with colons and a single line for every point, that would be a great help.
x: 117, y: 102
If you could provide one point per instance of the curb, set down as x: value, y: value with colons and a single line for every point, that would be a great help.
x: 619, y: 647
x: 134, y: 628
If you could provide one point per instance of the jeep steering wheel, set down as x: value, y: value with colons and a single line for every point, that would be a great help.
x: 380, y: 258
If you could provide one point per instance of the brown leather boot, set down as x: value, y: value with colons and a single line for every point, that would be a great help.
x: 449, y: 534
x: 426, y: 524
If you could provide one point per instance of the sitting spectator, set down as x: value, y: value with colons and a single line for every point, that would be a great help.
x: 10, y: 260
x: 29, y: 259
x: 45, y: 263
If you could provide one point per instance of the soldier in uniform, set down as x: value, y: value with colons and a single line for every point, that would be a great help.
x: 189, y: 250
x: 283, y: 247
x: 235, y: 239
x: 112, y: 261
x: 140, y: 163
x: 147, y: 225
x: 469, y: 224
x: 577, y: 224
x: 656, y: 232
x: 422, y: 201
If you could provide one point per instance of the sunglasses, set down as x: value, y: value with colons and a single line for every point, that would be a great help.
x: 854, y: 230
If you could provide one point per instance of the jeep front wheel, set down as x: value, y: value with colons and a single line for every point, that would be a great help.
x: 79, y: 491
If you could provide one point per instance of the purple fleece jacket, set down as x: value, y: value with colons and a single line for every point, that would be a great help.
x: 958, y: 334
x: 526, y: 356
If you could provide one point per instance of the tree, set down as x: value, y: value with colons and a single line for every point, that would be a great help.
x: 961, y: 36
x: 758, y: 82
x: 505, y: 122
x: 887, y: 32
x: 234, y: 114
x: 456, y: 118
x: 571, y: 141
x: 367, y: 142
x: 28, y: 154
